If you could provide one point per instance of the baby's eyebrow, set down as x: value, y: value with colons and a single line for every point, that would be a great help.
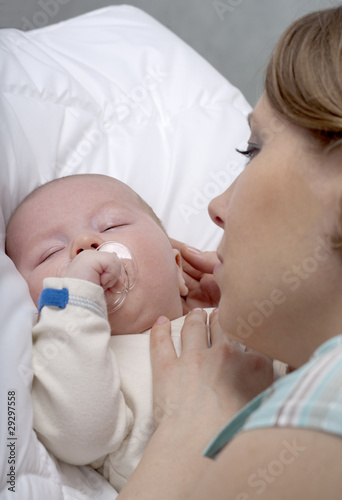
x: 33, y: 241
x: 40, y: 237
x: 108, y: 209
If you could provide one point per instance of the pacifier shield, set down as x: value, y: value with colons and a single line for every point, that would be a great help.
x: 116, y: 295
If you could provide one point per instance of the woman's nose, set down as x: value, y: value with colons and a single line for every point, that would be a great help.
x: 216, y: 210
x: 218, y: 206
x: 85, y: 241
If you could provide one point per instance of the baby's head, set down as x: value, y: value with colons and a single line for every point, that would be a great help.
x: 80, y: 212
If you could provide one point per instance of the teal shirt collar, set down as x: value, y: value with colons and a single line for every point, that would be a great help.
x: 233, y: 427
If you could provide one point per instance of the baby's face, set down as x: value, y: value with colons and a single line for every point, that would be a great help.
x: 50, y: 227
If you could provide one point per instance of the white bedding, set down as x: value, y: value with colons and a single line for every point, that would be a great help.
x: 112, y: 92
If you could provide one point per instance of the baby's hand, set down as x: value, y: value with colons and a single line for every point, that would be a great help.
x: 101, y: 268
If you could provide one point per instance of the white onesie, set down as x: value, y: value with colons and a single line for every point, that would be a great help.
x: 92, y: 392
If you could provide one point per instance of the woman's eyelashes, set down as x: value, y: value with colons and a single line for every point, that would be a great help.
x: 251, y: 151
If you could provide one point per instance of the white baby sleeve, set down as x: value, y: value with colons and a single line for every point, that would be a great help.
x: 80, y: 413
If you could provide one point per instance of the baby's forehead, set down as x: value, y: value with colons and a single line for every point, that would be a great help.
x: 94, y: 183
x: 68, y: 190
x: 78, y: 187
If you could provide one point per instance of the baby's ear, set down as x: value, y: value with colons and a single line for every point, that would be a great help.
x: 183, y: 289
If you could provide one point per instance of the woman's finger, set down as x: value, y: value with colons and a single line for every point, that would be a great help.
x: 161, y: 346
x: 195, y: 263
x: 190, y: 281
x: 218, y: 337
x: 194, y: 332
x: 202, y: 261
x: 190, y: 272
x: 216, y: 333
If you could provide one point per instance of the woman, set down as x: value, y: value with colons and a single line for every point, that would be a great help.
x: 280, y: 277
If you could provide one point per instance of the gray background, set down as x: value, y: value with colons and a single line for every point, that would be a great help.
x: 235, y: 36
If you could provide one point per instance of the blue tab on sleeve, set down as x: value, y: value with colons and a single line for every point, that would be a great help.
x: 53, y: 297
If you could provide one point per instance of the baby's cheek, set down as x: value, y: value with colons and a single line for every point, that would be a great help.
x: 35, y: 291
x: 36, y: 280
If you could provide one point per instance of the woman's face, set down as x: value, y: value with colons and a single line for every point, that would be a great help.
x: 280, y: 280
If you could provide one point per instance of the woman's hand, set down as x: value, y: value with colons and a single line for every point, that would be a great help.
x: 206, y: 384
x: 198, y: 274
x: 194, y: 396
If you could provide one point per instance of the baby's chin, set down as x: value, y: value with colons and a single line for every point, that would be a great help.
x: 119, y: 324
x: 142, y: 321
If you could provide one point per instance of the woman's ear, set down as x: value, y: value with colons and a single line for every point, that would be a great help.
x: 183, y: 289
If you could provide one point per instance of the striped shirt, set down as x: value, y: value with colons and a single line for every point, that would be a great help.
x: 309, y: 397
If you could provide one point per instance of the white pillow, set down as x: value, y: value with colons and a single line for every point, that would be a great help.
x: 110, y: 92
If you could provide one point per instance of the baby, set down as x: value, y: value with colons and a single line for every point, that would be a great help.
x: 92, y: 389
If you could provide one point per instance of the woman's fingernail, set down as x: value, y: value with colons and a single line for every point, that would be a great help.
x: 193, y: 249
x: 195, y: 309
x: 161, y: 320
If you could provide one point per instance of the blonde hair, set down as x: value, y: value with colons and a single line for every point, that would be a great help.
x: 304, y: 76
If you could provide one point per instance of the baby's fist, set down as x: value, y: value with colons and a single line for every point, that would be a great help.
x: 101, y: 268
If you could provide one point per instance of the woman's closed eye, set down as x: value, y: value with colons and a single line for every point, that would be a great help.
x: 251, y: 151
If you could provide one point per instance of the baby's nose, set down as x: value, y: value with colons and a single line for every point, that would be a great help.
x: 85, y: 241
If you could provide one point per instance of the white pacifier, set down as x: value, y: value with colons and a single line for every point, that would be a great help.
x: 116, y: 295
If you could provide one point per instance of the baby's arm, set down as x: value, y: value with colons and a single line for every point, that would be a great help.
x: 79, y: 411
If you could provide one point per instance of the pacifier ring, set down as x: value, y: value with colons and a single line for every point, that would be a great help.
x: 116, y: 297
